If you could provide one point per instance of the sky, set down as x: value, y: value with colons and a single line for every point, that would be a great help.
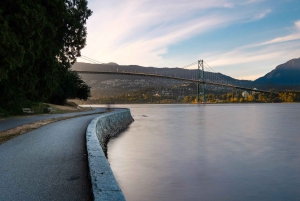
x: 244, y: 39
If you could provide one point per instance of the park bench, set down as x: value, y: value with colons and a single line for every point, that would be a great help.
x: 50, y: 110
x: 27, y: 110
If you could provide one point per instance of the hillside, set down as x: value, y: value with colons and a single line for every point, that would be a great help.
x: 284, y: 74
x: 110, y: 85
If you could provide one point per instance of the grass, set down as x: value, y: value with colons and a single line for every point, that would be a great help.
x: 41, y: 108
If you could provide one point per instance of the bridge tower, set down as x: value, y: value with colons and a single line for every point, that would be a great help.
x: 201, y: 77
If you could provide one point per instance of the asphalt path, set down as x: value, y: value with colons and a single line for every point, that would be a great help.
x: 49, y: 163
x: 6, y: 124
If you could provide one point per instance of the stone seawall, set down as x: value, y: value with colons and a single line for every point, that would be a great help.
x: 104, y: 184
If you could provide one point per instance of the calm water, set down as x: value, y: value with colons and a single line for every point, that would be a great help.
x: 209, y: 152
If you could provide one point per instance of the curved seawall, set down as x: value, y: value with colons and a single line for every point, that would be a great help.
x: 104, y: 184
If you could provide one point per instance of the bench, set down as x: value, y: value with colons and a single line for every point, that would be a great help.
x: 50, y: 110
x: 27, y: 110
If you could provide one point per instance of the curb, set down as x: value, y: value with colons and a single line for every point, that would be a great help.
x: 104, y: 185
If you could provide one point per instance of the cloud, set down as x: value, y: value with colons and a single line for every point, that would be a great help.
x: 148, y: 48
x: 257, y: 56
x: 297, y: 25
x: 253, y: 1
x: 246, y: 57
x: 229, y: 5
x: 287, y: 38
x: 261, y: 15
x: 141, y: 32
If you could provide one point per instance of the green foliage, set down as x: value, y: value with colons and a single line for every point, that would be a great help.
x: 39, y: 108
x: 70, y: 86
x: 39, y: 41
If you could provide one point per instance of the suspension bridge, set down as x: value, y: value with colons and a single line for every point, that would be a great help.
x: 202, y: 75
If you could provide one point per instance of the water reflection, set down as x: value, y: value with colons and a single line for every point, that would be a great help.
x: 211, y: 152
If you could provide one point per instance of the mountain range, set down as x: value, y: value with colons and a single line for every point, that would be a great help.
x: 284, y: 76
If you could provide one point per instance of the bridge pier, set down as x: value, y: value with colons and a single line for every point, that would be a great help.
x: 201, y: 77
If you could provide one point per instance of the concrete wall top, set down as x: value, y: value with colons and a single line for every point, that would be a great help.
x: 104, y: 184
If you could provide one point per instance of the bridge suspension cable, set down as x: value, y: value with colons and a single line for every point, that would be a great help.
x: 189, y: 65
x: 217, y: 75
x: 180, y: 74
x: 91, y: 60
x: 213, y: 75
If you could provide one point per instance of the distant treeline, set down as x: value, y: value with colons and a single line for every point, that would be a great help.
x: 39, y: 41
x: 147, y: 96
x: 257, y: 97
x: 238, y: 98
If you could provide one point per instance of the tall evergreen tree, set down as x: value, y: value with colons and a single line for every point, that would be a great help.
x: 38, y: 38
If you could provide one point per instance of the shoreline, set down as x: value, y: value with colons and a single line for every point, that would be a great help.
x: 104, y: 184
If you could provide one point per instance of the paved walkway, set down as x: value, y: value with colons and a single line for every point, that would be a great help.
x: 49, y: 163
x: 9, y: 123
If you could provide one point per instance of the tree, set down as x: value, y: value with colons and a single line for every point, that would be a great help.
x: 250, y: 98
x: 37, y: 40
x: 189, y: 99
x: 70, y: 86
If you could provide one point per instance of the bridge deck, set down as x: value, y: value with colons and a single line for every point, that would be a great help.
x: 172, y: 78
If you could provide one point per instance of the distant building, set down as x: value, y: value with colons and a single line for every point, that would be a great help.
x: 245, y: 94
x: 254, y: 91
